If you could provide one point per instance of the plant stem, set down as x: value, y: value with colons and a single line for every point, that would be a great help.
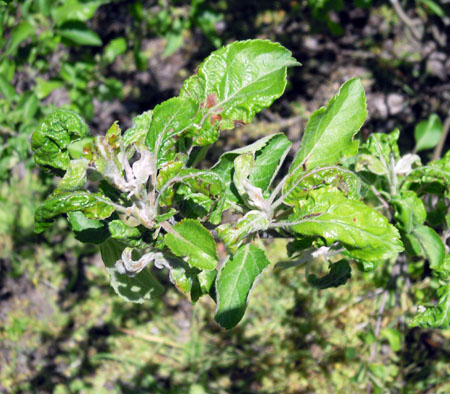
x: 438, y: 150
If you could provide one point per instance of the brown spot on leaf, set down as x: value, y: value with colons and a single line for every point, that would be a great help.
x: 211, y: 100
x: 354, y: 219
x: 214, y: 118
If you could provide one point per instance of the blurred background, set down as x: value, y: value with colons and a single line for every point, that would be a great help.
x: 62, y: 328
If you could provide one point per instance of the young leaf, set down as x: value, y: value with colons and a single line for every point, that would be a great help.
x: 170, y: 118
x: 189, y: 238
x: 365, y: 233
x: 366, y: 162
x: 77, y: 33
x: 382, y: 146
x: 428, y: 133
x: 339, y: 273
x: 51, y: 140
x: 138, y: 133
x: 233, y: 235
x: 329, y: 133
x: 234, y: 282
x: 436, y: 316
x: 344, y: 180
x: 234, y: 83
x: 243, y: 166
x: 138, y: 288
x: 268, y: 161
x: 269, y: 153
x: 207, y: 183
x: 436, y: 173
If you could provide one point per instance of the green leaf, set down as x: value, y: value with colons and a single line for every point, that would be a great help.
x: 87, y: 230
x: 409, y: 210
x: 138, y: 288
x: 6, y: 89
x: 365, y: 233
x: 268, y: 161
x: 329, y: 133
x: 44, y: 88
x: 384, y: 147
x: 75, y: 176
x: 141, y: 126
x: 189, y: 238
x: 234, y: 283
x: 180, y: 274
x: 434, y: 7
x: 366, y: 162
x: 174, y: 40
x: 74, y: 10
x: 207, y: 183
x: 394, y: 337
x: 115, y: 47
x: 203, y: 284
x: 243, y: 166
x: 269, y: 155
x: 234, y: 83
x: 233, y: 234
x: 170, y: 119
x: 432, y: 178
x: 93, y: 206
x: 339, y: 274
x: 428, y: 133
x: 298, y: 188
x: 28, y: 106
x: 130, y: 236
x: 19, y: 34
x: 51, y: 140
x: 78, y: 33
x: 437, y: 316
x: 427, y: 243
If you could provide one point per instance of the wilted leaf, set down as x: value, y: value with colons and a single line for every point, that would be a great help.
x: 138, y: 288
x: 339, y: 274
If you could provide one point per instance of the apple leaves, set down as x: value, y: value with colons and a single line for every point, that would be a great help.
x: 234, y: 282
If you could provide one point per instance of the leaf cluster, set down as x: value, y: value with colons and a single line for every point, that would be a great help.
x: 140, y: 196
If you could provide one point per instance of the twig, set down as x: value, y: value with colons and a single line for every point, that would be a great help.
x: 396, y: 270
x: 380, y: 197
x: 406, y: 19
x: 373, y: 349
x: 438, y: 150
